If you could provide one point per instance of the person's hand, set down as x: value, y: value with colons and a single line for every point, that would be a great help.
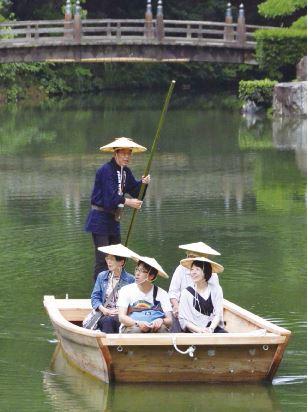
x: 204, y: 330
x: 144, y: 326
x: 146, y: 179
x: 134, y: 203
x: 108, y: 312
x: 175, y: 310
x: 156, y: 324
x: 113, y: 312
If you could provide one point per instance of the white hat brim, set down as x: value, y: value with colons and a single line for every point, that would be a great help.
x: 216, y: 267
x: 123, y: 143
x: 153, y: 263
x: 200, y: 248
x: 117, y: 250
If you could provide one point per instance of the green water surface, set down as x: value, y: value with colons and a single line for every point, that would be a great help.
x: 239, y: 184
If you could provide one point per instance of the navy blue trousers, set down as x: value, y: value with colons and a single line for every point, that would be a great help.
x: 109, y: 324
x: 102, y: 240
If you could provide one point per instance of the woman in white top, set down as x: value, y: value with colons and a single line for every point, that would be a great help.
x: 201, y: 305
x: 181, y: 278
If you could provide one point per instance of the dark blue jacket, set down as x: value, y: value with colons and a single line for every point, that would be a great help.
x: 105, y: 195
x: 100, y: 287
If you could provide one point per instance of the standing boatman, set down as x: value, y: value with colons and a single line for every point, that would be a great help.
x: 112, y: 181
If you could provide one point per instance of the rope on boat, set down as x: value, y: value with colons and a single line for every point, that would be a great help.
x: 190, y: 351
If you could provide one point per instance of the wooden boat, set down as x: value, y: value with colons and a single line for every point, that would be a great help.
x: 250, y: 352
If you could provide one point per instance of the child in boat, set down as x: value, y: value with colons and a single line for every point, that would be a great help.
x: 144, y: 307
x: 104, y: 296
x: 112, y: 181
x: 201, y: 305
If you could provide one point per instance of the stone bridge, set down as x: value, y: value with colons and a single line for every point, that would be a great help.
x: 74, y: 39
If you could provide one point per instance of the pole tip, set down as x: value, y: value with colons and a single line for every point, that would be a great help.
x: 173, y: 81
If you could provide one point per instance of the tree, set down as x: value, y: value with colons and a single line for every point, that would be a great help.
x: 4, y: 7
x: 278, y: 8
x: 279, y: 50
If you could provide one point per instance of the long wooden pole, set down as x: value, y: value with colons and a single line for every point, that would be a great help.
x: 153, y: 150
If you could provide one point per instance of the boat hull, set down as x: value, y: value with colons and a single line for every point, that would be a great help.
x: 209, y: 364
x: 231, y: 357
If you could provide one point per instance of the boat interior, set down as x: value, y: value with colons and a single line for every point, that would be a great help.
x: 237, y: 319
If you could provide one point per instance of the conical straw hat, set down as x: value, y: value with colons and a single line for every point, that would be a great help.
x: 123, y: 143
x: 153, y: 263
x: 200, y: 249
x: 216, y: 267
x: 118, y: 250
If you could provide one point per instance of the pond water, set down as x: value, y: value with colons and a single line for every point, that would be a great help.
x: 239, y: 184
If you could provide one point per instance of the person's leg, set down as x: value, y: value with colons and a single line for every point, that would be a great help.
x: 109, y: 324
x: 163, y: 329
x: 114, y: 239
x: 219, y: 329
x: 175, y: 327
x: 131, y: 329
x: 100, y: 262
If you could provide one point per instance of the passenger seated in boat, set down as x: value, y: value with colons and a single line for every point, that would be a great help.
x: 181, y: 278
x: 144, y: 307
x: 108, y: 283
x: 201, y: 305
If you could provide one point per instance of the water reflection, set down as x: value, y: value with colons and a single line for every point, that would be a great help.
x: 290, y: 133
x: 70, y: 389
x: 216, y: 178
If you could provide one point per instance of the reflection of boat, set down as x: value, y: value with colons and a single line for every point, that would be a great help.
x: 70, y: 389
x: 251, y: 351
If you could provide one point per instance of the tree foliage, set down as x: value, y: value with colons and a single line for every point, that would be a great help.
x: 134, y: 9
x: 300, y: 24
x: 279, y: 50
x: 275, y: 8
x: 4, y: 7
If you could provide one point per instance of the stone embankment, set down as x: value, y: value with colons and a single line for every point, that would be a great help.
x: 290, y: 99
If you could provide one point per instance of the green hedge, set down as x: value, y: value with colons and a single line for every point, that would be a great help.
x: 278, y: 50
x: 258, y: 91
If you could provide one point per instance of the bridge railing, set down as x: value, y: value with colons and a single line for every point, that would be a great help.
x: 122, y: 30
x: 39, y: 29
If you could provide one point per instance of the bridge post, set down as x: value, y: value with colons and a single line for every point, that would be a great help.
x: 68, y: 18
x: 148, y: 21
x: 241, y: 26
x: 228, y: 30
x: 160, y: 32
x: 77, y: 23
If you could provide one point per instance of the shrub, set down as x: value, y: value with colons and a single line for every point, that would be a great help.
x: 258, y: 91
x: 278, y: 50
x: 300, y: 24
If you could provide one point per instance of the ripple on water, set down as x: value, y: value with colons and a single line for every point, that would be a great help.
x: 289, y: 380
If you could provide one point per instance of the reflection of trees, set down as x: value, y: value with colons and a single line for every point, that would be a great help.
x: 255, y: 133
x: 283, y: 190
x: 280, y: 195
x: 16, y: 138
x: 81, y: 126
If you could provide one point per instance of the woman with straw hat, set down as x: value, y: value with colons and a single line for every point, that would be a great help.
x: 112, y: 181
x: 181, y: 278
x: 201, y: 306
x: 108, y: 283
x: 142, y: 306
